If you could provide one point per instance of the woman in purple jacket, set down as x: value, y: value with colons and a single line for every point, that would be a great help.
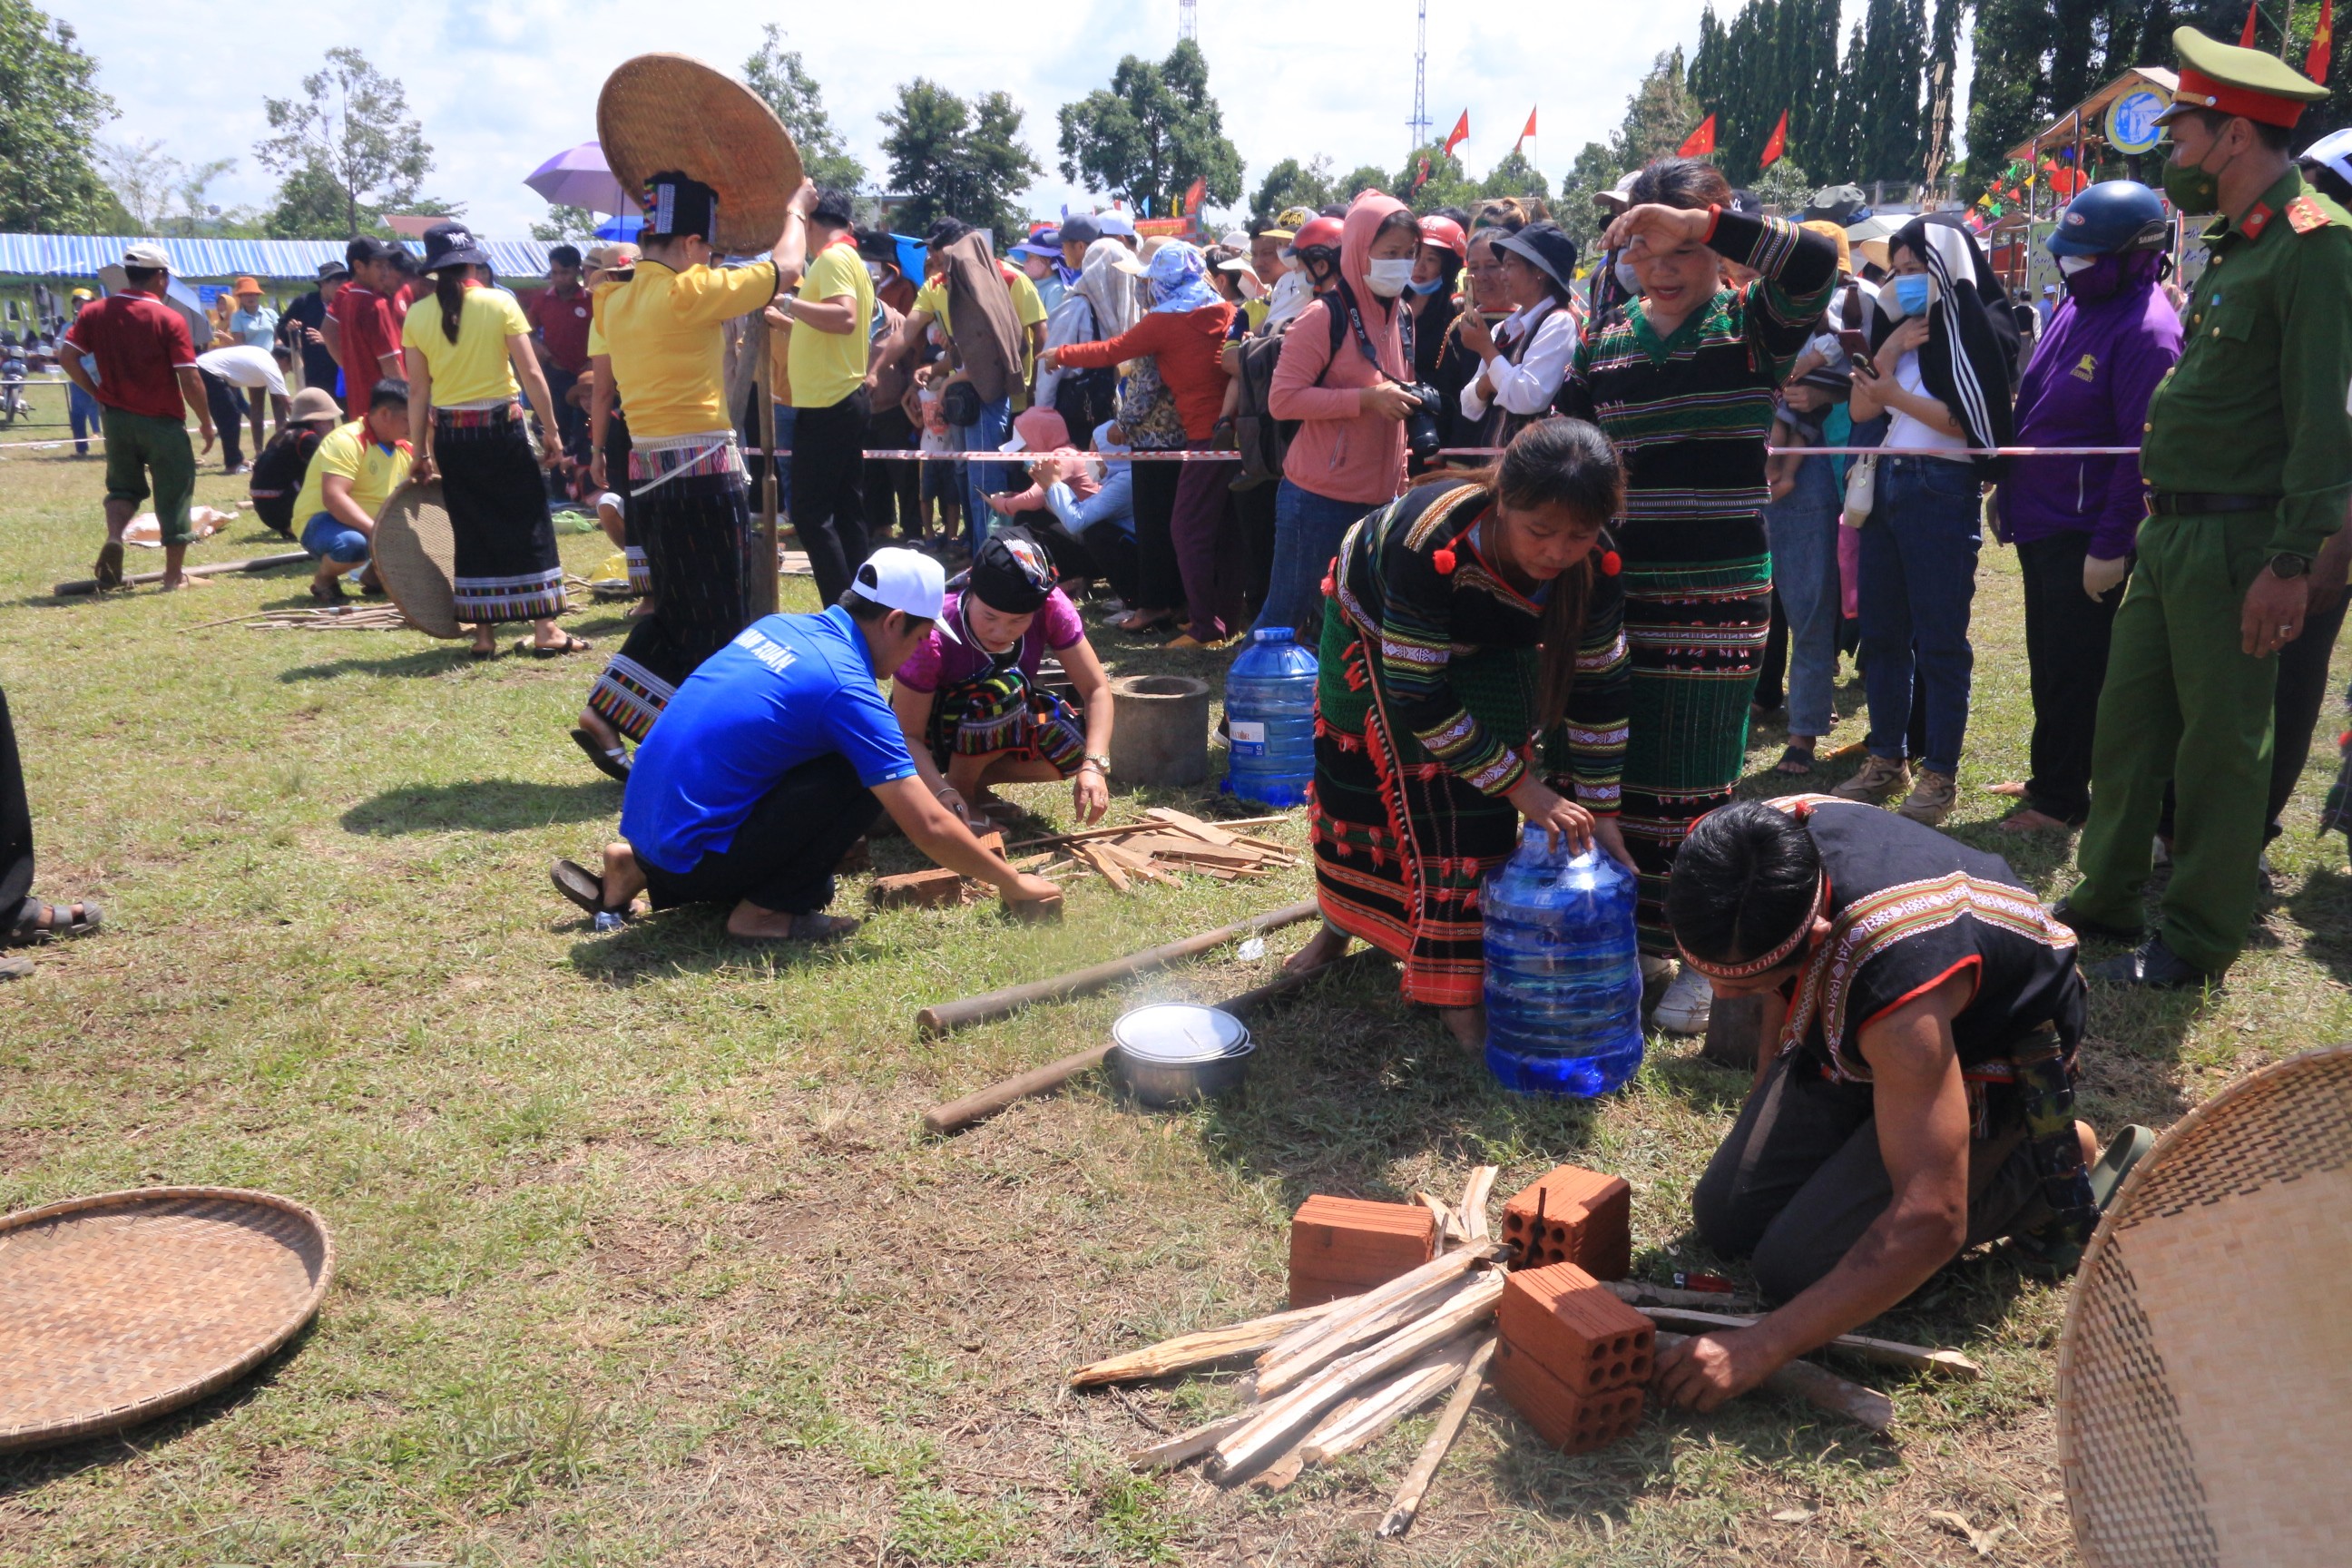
x: 2074, y: 519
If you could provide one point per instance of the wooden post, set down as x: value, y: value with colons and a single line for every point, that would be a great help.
x: 770, y: 590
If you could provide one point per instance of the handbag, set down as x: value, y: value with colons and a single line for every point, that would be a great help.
x: 1861, y: 490
x: 961, y: 404
x: 1147, y: 409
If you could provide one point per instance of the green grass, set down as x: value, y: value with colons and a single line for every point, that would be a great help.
x: 644, y: 1259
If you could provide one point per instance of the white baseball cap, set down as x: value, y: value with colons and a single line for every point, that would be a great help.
x: 903, y: 580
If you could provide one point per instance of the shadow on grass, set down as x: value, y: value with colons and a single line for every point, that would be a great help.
x: 435, y: 660
x: 694, y: 940
x: 29, y: 1472
x: 482, y: 805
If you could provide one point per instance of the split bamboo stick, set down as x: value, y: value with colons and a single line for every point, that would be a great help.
x: 1185, y: 1447
x: 1442, y: 1213
x: 1885, y: 1352
x: 1433, y: 1296
x: 1445, y: 1266
x: 1278, y: 1420
x: 1640, y: 1293
x: 1195, y: 1350
x: 1375, y: 1412
x: 1476, y: 1195
x: 1818, y: 1387
x: 258, y: 564
x: 1441, y: 1441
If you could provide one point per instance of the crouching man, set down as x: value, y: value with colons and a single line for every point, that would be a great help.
x: 775, y: 757
x: 1913, y: 1090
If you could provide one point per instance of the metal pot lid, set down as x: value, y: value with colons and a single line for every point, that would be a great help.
x: 1179, y: 1032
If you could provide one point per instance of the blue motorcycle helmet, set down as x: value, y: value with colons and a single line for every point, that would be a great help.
x: 2110, y: 218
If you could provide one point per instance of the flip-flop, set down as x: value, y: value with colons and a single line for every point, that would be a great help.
x: 78, y: 919
x: 1804, y: 759
x: 108, y: 570
x: 614, y: 763
x: 569, y: 645
x: 2124, y: 1150
x: 15, y: 968
x: 583, y: 887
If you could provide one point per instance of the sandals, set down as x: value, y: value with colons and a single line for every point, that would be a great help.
x: 108, y: 570
x: 613, y: 763
x: 584, y: 888
x: 569, y: 645
x: 328, y: 593
x: 15, y: 968
x: 38, y: 922
x: 1795, y: 761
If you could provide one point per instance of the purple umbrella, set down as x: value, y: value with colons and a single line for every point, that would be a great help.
x: 581, y: 178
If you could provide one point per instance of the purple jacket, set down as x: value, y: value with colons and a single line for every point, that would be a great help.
x: 2088, y: 385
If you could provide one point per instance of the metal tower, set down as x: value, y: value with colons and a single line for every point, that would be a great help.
x: 1188, y: 20
x: 1419, y: 123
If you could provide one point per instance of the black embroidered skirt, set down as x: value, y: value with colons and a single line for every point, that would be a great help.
x: 507, y: 567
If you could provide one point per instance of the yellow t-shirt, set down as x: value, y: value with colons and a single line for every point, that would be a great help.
x: 475, y: 368
x: 669, y: 360
x: 346, y: 450
x: 1028, y: 308
x: 828, y: 366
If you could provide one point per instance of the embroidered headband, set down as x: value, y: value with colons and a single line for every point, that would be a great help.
x: 1763, y: 962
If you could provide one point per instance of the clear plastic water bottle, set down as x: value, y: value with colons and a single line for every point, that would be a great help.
x: 1564, y: 981
x: 1270, y: 719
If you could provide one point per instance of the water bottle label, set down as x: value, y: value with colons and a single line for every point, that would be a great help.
x: 1247, y: 737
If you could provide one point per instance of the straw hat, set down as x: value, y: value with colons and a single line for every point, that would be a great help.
x: 2207, y: 1362
x: 660, y: 113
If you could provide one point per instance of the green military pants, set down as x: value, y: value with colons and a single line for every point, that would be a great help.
x: 2183, y: 703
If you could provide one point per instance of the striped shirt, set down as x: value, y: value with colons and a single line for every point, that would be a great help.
x: 1689, y: 412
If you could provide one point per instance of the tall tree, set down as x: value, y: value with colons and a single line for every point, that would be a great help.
x: 141, y: 174
x: 1290, y: 183
x: 567, y: 224
x: 1447, y: 184
x: 778, y: 75
x: 1154, y: 131
x: 50, y: 112
x: 1357, y: 181
x: 1515, y: 176
x: 350, y: 127
x: 957, y: 159
x: 1659, y: 116
x: 1578, y: 209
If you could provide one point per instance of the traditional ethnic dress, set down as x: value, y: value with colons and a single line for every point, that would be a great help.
x: 1909, y: 908
x: 507, y: 568
x: 1689, y: 413
x: 987, y: 703
x: 1425, y: 713
x: 690, y: 502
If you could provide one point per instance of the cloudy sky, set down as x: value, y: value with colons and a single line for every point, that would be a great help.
x: 500, y: 87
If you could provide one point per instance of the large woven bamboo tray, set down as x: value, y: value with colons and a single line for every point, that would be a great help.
x: 120, y: 1307
x: 664, y: 112
x: 416, y: 556
x: 2205, y: 1378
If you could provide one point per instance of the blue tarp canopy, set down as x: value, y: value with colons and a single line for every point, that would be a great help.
x: 79, y: 255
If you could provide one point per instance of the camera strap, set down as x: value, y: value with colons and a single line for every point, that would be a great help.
x: 1364, y: 338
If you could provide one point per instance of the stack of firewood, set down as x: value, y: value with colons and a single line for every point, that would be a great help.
x: 1329, y: 1379
x: 1152, y: 850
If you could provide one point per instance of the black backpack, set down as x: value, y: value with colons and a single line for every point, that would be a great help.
x: 279, y: 471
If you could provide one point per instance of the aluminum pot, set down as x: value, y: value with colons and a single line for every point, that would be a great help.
x: 1173, y: 1054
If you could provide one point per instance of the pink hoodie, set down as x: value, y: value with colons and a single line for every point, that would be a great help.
x: 1340, y: 451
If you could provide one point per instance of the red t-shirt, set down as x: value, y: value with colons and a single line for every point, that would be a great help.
x: 370, y: 332
x: 562, y: 323
x: 139, y: 343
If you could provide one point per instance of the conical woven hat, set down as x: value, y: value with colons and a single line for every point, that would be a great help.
x: 663, y: 112
x: 415, y: 556
x: 2205, y: 1378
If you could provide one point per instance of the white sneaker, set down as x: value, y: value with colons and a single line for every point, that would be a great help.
x: 1684, y: 1009
x: 1655, y: 968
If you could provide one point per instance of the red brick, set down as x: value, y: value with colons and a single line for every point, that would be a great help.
x: 1573, y: 1215
x: 924, y: 890
x: 1571, y: 1325
x: 1341, y: 1245
x: 1573, y: 1422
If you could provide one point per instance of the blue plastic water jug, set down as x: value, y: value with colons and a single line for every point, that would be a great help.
x: 1270, y: 719
x: 1563, y: 979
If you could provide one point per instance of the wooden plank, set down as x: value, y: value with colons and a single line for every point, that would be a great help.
x: 1192, y: 826
x: 1104, y: 866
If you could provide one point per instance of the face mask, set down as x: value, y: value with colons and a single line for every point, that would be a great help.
x: 2070, y: 265
x: 2191, y: 189
x: 874, y: 272
x: 1627, y: 279
x: 1431, y: 286
x: 1912, y: 291
x: 1389, y: 278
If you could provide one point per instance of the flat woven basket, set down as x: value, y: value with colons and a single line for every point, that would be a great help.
x: 2205, y: 1378
x: 117, y: 1308
x: 662, y: 113
x: 416, y: 556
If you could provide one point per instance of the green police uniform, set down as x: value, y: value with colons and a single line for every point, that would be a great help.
x: 2247, y: 455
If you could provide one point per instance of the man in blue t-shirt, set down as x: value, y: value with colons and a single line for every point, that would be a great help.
x: 775, y: 756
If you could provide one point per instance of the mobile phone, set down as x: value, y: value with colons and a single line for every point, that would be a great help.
x: 1855, y: 343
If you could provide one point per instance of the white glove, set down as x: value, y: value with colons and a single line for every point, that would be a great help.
x: 2100, y: 577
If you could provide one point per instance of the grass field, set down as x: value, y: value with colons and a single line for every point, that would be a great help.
x: 643, y: 1257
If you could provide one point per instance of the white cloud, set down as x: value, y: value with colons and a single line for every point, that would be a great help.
x: 500, y: 87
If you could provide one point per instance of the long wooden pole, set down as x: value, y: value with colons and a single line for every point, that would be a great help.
x: 1822, y: 1389
x: 770, y: 587
x: 1441, y: 1440
x: 258, y: 564
x: 1885, y: 1352
x: 945, y: 1017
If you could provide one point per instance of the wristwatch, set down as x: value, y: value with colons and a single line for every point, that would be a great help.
x: 1102, y: 763
x: 2284, y: 565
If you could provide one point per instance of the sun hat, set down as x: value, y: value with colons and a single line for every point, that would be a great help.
x: 1245, y: 277
x: 1115, y: 225
x: 1038, y: 430
x: 1620, y: 196
x: 1836, y: 237
x: 902, y: 580
x: 664, y: 112
x: 453, y: 244
x: 2333, y: 150
x: 1237, y: 238
x: 314, y: 402
x: 1545, y: 247
x: 330, y: 271
x: 246, y: 286
x: 149, y: 257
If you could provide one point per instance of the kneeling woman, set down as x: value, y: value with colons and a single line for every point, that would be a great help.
x: 969, y: 693
x: 1474, y: 666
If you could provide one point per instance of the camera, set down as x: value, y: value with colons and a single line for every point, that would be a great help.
x: 1421, y: 437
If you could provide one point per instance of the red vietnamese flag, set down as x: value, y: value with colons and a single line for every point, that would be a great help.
x: 2246, y: 34
x: 1193, y: 194
x: 1777, y: 145
x: 1525, y: 134
x: 2323, y: 43
x: 1459, y: 134
x: 1700, y: 142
